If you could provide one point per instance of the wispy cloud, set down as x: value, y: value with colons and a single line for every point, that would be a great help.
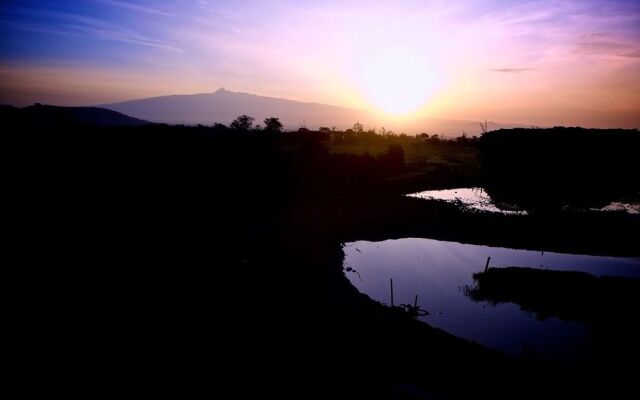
x: 133, y: 7
x: 122, y: 35
x: 66, y: 23
x: 602, y: 43
x: 27, y: 27
x: 511, y: 70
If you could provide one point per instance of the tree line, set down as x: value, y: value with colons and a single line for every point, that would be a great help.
x: 356, y: 134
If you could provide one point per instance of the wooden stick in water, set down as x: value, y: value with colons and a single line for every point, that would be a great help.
x: 391, y: 282
x: 486, y: 267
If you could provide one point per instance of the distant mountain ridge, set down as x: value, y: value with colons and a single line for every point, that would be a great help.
x: 53, y: 116
x: 223, y: 106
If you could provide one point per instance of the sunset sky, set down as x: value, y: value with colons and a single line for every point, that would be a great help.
x: 533, y: 62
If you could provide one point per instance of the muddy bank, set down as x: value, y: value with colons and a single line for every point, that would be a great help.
x: 367, y: 216
x: 569, y: 295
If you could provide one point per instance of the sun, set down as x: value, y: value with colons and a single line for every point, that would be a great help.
x: 399, y: 80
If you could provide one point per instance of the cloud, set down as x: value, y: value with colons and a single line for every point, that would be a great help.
x: 124, y: 35
x: 27, y: 27
x: 511, y: 70
x: 133, y: 7
x: 603, y: 43
x: 66, y: 23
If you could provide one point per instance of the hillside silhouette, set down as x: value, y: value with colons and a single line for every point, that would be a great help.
x: 47, y: 116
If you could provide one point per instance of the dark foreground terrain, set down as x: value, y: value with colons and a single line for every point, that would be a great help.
x: 189, y: 260
x: 607, y: 305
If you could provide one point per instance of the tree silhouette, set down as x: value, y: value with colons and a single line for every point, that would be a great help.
x: 242, y: 123
x: 358, y: 127
x: 272, y: 124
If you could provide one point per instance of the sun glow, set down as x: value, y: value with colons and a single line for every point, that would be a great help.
x: 399, y: 80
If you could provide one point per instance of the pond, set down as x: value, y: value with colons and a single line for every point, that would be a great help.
x: 438, y: 271
x: 477, y: 199
x: 474, y: 198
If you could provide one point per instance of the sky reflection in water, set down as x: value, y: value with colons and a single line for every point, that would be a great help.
x: 477, y: 199
x: 437, y: 271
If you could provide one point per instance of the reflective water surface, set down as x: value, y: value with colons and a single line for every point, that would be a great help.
x: 437, y: 271
x: 476, y: 198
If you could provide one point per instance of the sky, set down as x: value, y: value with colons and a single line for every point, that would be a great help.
x: 535, y: 62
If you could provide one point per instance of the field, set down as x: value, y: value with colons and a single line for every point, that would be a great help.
x: 416, y: 154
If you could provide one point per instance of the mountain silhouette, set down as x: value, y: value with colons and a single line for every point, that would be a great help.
x: 223, y: 106
x: 53, y: 116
